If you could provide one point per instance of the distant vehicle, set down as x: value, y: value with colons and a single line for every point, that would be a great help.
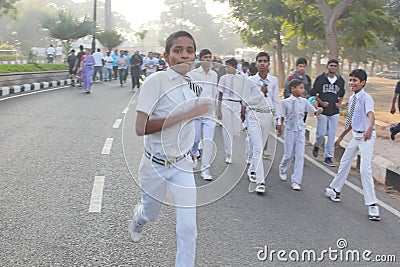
x: 389, y: 74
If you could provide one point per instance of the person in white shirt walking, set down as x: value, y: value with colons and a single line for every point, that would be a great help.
x: 361, y: 122
x: 293, y: 109
x: 108, y: 66
x: 205, y: 126
x: 98, y: 64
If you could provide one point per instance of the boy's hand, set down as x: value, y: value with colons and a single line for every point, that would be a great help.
x: 392, y: 110
x: 279, y: 129
x: 319, y: 111
x: 367, y: 134
x: 325, y: 104
x: 337, y: 142
x: 264, y: 89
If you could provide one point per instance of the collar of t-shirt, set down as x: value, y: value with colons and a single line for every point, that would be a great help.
x: 332, y: 80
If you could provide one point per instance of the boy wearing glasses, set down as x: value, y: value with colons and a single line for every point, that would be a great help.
x: 329, y: 91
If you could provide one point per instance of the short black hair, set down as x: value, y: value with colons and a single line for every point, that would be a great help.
x: 332, y: 61
x: 244, y: 64
x: 263, y: 54
x: 172, y: 37
x: 204, y: 52
x: 232, y: 62
x: 301, y: 60
x: 359, y: 73
x: 294, y: 83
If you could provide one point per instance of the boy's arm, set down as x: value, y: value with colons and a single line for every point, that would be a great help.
x: 145, y: 126
x: 393, y: 108
x: 219, y: 112
x: 368, y: 132
x: 343, y: 134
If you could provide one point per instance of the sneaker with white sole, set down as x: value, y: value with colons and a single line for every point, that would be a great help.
x: 282, y: 175
x: 252, y: 177
x: 332, y: 194
x: 373, y: 213
x: 228, y: 160
x: 206, y: 176
x: 134, y: 231
x: 329, y: 162
x: 296, y: 187
x: 315, y: 151
x: 260, y: 188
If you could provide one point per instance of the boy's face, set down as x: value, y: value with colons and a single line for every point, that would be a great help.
x: 301, y: 69
x: 182, y: 51
x: 262, y: 64
x: 298, y: 91
x: 332, y: 67
x: 245, y: 68
x: 355, y: 84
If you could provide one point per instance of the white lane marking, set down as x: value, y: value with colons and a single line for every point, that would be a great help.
x: 117, y: 123
x: 107, y: 146
x: 125, y: 111
x: 97, y: 194
x: 349, y: 184
x: 32, y: 93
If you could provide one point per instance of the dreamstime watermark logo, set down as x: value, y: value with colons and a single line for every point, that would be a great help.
x: 340, y: 253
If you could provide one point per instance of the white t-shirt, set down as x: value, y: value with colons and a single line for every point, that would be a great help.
x: 108, y: 62
x: 50, y: 50
x: 59, y: 51
x: 208, y: 82
x: 163, y: 94
x: 98, y: 56
x: 151, y: 64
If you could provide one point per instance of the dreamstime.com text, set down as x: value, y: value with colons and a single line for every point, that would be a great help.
x: 339, y: 254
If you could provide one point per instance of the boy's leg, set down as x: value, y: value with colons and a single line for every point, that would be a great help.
x: 345, y: 165
x: 322, y: 127
x: 227, y: 129
x: 299, y: 147
x: 183, y: 189
x: 255, y: 131
x: 288, y: 145
x: 366, y: 151
x: 197, y: 137
x: 332, y: 123
x: 208, y: 137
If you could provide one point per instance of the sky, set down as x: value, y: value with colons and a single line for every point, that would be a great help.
x: 151, y: 9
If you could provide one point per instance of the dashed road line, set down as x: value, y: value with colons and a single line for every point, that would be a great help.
x: 107, y: 146
x: 97, y: 194
x: 125, y: 110
x: 117, y: 123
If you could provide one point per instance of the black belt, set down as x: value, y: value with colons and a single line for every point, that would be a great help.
x: 163, y: 162
x: 232, y: 100
x: 362, y: 131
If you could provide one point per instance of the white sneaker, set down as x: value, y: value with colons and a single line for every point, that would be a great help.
x: 252, y: 177
x: 296, y: 187
x: 260, y: 188
x: 373, y: 213
x: 206, y: 176
x: 282, y: 175
x: 332, y: 194
x: 134, y: 232
x: 228, y: 160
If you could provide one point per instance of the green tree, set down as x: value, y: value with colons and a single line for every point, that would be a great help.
x: 7, y: 7
x: 110, y: 39
x: 66, y: 28
x: 141, y: 35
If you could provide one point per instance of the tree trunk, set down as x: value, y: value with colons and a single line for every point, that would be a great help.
x: 371, y: 71
x: 279, y: 48
x: 108, y: 16
x: 331, y: 17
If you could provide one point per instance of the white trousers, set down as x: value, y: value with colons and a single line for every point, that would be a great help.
x: 294, y: 145
x: 366, y: 149
x: 258, y: 127
x: 205, y: 129
x: 327, y: 126
x: 231, y: 123
x: 154, y: 179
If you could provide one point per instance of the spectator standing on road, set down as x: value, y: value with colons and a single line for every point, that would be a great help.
x: 128, y: 66
x: 293, y: 109
x: 396, y: 128
x: 151, y: 64
x: 166, y: 161
x: 329, y: 91
x: 122, y: 63
x: 245, y: 69
x: 50, y: 51
x: 98, y: 64
x: 87, y: 70
x: 205, y: 126
x: 115, y: 56
x: 136, y: 63
x: 361, y: 121
x: 71, y: 63
x: 108, y: 66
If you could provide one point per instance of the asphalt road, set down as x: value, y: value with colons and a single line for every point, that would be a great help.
x: 53, y: 147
